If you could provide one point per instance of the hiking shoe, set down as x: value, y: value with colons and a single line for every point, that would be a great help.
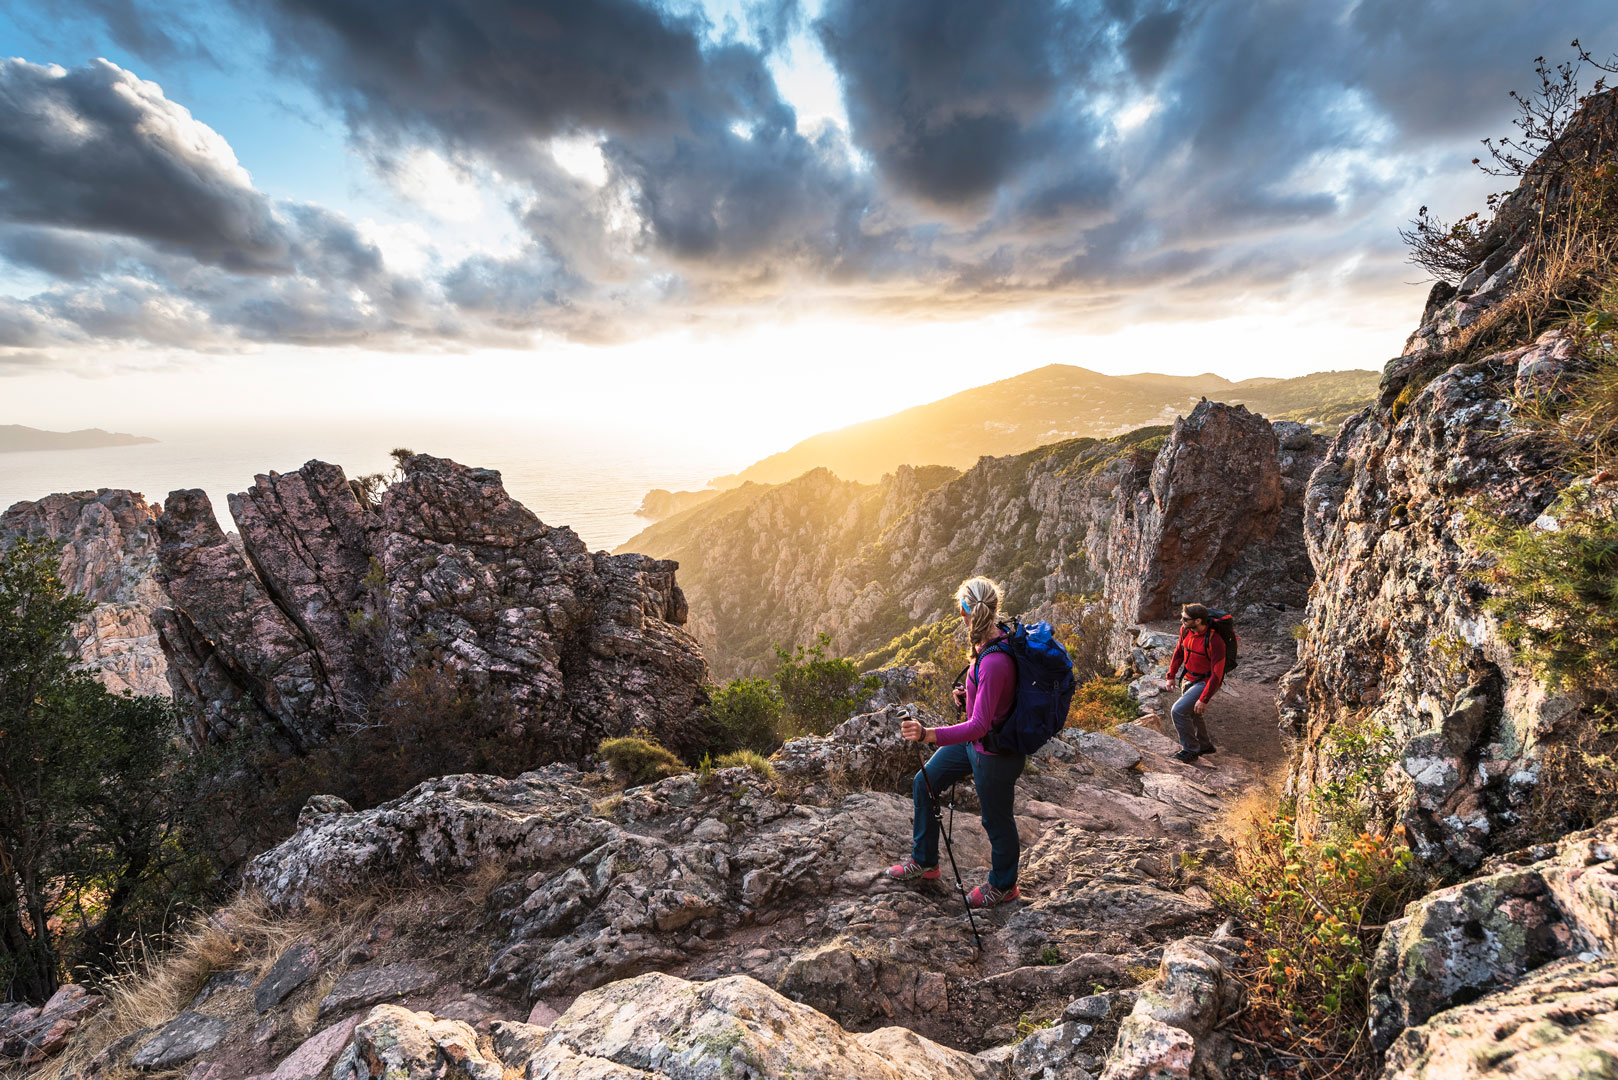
x: 1208, y: 749
x: 1187, y: 756
x: 987, y: 896
x: 910, y: 870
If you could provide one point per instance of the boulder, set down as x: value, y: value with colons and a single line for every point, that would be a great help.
x: 1457, y: 944
x: 30, y: 1035
x: 183, y: 1038
x: 1560, y: 1023
x: 290, y: 971
x: 367, y: 986
x: 657, y: 1026
x: 313, y: 1057
x: 398, y: 1044
x: 1106, y: 749
x: 864, y: 752
x: 1170, y: 1030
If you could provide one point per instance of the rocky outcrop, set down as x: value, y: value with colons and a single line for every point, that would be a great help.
x: 1207, y: 510
x: 1441, y: 968
x: 109, y: 553
x: 732, y: 873
x: 326, y: 603
x: 29, y: 1035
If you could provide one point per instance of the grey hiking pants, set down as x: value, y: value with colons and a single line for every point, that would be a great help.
x: 1187, y: 724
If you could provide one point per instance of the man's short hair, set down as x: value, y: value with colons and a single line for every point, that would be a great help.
x: 1196, y: 611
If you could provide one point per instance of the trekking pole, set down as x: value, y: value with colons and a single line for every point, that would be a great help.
x: 938, y: 822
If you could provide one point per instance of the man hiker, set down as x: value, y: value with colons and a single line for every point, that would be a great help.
x: 1201, y: 652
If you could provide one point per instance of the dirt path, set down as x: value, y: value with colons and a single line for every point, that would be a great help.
x: 1242, y: 717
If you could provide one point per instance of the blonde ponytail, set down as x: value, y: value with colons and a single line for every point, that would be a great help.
x: 984, y: 598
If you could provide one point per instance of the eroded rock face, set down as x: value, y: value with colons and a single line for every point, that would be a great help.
x: 109, y: 554
x: 1400, y: 633
x: 1457, y: 944
x: 327, y: 602
x: 1208, y: 510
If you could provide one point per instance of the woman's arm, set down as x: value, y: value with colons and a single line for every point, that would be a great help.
x: 997, y: 683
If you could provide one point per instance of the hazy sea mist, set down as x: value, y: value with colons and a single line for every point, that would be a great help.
x: 589, y: 479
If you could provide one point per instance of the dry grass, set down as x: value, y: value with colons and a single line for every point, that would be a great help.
x: 246, y: 935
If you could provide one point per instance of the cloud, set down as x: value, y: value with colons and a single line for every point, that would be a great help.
x: 155, y: 235
x: 1104, y: 160
x: 98, y: 150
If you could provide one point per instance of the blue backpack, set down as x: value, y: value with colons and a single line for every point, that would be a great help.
x: 1045, y: 688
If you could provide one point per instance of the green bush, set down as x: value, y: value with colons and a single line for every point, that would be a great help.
x: 1558, y: 595
x: 744, y: 714
x: 640, y: 760
x: 747, y: 759
x: 93, y: 820
x: 1314, y: 907
x: 1102, y: 704
x: 817, y: 691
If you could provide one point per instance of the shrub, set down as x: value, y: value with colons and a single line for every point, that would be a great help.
x: 1360, y: 755
x: 1102, y: 704
x: 819, y: 692
x: 747, y: 759
x: 1557, y: 601
x: 1084, y: 627
x: 92, y: 832
x: 744, y: 714
x: 1315, y: 907
x: 640, y: 760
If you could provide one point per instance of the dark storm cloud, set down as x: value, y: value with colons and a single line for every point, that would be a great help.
x: 951, y: 97
x: 1102, y: 157
x: 695, y: 133
x: 98, y: 150
x: 156, y: 236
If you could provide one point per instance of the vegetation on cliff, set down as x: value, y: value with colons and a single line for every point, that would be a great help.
x: 96, y: 830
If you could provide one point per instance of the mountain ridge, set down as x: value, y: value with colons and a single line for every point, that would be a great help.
x: 1046, y: 405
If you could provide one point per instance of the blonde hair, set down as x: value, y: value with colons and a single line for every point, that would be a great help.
x: 985, y: 598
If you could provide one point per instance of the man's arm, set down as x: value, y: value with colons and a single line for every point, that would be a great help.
x: 1216, y: 661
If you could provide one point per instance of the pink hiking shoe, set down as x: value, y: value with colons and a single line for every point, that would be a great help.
x: 910, y: 870
x: 987, y: 896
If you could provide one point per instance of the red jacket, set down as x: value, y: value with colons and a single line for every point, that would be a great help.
x: 1203, y: 656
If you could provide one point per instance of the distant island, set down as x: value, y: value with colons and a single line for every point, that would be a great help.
x: 16, y: 437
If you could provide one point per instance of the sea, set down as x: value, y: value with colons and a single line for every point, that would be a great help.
x: 591, y: 479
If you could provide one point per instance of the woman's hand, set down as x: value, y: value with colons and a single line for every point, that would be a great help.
x: 960, y: 697
x: 912, y: 731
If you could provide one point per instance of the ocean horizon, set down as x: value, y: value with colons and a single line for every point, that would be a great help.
x: 589, y: 481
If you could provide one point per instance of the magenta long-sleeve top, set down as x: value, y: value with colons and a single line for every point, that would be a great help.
x: 990, y: 689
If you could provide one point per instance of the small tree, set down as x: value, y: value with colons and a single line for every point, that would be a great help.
x: 85, y: 819
x: 819, y: 692
x: 744, y: 714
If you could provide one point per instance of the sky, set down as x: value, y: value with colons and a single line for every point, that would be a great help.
x: 731, y: 220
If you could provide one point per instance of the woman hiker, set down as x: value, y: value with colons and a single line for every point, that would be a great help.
x: 990, y: 688
x: 1202, y: 653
